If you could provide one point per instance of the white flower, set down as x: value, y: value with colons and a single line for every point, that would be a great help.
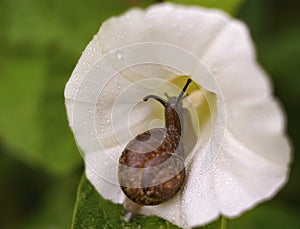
x: 242, y: 155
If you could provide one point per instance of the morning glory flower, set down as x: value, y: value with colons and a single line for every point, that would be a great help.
x: 237, y: 153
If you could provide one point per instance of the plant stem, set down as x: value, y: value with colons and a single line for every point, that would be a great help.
x: 223, y: 222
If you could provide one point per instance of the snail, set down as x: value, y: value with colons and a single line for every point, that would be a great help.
x: 151, y: 167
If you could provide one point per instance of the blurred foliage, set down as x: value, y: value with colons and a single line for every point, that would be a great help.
x: 268, y: 215
x: 230, y: 6
x: 33, y: 199
x: 40, y: 43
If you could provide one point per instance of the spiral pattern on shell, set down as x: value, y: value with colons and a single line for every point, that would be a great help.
x: 152, y: 176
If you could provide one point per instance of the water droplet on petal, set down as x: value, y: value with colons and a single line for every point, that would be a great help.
x: 119, y: 55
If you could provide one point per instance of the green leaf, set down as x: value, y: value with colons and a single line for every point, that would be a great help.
x: 230, y: 6
x: 92, y: 211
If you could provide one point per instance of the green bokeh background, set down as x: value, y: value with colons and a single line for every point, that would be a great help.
x: 40, y: 43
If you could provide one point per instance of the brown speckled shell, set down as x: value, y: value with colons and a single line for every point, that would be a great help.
x: 151, y: 168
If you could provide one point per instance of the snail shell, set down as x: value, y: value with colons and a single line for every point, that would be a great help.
x: 151, y: 167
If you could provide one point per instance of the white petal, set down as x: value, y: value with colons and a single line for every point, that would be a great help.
x: 170, y: 211
x: 244, y: 178
x: 160, y: 23
x: 106, y: 188
x: 199, y: 201
x: 89, y: 57
x: 232, y: 60
x: 246, y: 159
x: 260, y: 127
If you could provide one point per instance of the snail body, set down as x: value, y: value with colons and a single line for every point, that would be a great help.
x: 151, y: 167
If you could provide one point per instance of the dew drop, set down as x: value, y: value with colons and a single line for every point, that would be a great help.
x: 188, y: 200
x: 119, y: 55
x: 128, y: 217
x: 100, y: 111
x: 108, y: 120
